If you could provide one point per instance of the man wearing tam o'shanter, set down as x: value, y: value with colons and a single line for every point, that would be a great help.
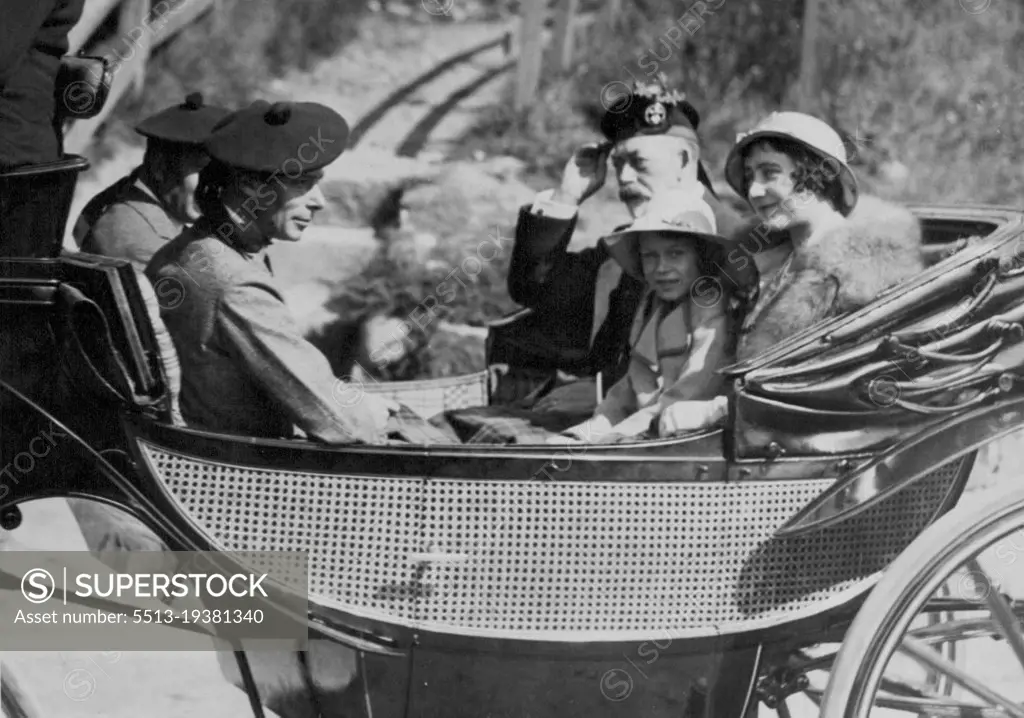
x: 582, y: 298
x: 246, y: 368
x: 135, y: 216
x: 131, y: 220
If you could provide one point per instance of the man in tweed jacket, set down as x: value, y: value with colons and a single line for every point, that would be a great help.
x: 131, y: 220
x: 246, y: 368
x: 139, y: 213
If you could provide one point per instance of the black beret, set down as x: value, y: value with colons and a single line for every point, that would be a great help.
x: 293, y: 137
x: 649, y: 109
x: 189, y: 123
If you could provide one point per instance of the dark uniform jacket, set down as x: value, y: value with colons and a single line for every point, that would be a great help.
x: 126, y: 220
x: 246, y: 369
x: 563, y: 288
x: 33, y: 39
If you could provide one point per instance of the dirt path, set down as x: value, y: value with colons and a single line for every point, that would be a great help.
x: 410, y: 88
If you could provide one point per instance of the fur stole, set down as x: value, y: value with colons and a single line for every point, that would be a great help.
x: 841, y: 268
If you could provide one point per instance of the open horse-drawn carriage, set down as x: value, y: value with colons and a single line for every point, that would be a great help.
x: 692, y: 575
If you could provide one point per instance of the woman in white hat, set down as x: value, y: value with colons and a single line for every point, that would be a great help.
x: 820, y: 247
x: 838, y: 250
x: 682, y: 333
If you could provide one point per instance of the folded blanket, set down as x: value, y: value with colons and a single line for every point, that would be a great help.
x: 504, y: 424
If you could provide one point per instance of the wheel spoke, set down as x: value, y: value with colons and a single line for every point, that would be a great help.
x: 961, y: 629
x: 902, y: 689
x: 818, y: 663
x: 925, y: 655
x: 940, y: 708
x: 952, y: 604
x: 1006, y: 621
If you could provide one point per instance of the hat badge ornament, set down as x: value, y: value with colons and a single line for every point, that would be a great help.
x: 194, y: 101
x: 655, y: 114
x: 658, y: 91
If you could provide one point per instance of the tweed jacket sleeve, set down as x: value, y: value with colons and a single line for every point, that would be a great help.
x: 133, y: 231
x: 258, y: 328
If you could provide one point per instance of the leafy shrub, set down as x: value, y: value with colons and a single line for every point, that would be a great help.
x: 923, y: 83
x: 234, y: 52
x: 444, y: 260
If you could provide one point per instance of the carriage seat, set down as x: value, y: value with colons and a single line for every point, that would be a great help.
x: 116, y: 339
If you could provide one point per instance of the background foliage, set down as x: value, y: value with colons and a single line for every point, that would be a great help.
x: 929, y: 92
x: 922, y: 82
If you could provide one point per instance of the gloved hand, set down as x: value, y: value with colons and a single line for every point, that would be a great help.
x: 562, y: 439
x: 590, y: 431
x: 683, y: 416
x: 379, y: 409
x: 578, y: 397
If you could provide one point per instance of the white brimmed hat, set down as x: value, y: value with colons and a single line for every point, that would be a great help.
x: 812, y: 133
x: 687, y: 215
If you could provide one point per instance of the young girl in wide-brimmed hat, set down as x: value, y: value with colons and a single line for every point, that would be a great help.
x: 682, y: 333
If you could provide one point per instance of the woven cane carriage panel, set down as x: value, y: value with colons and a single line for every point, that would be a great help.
x: 622, y: 561
x: 553, y: 560
x: 430, y: 397
x: 359, y: 531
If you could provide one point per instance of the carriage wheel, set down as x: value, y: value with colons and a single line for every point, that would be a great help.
x: 974, y: 551
x: 797, y: 689
x: 16, y: 703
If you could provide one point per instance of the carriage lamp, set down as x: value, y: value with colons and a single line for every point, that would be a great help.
x: 10, y: 518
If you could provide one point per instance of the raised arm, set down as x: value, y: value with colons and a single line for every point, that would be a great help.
x: 543, y: 275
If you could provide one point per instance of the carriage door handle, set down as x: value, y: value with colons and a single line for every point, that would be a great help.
x: 775, y: 450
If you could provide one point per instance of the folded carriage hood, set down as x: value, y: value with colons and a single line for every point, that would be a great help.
x: 927, y: 373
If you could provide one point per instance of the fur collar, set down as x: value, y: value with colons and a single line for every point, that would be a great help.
x: 841, y: 268
x: 877, y: 246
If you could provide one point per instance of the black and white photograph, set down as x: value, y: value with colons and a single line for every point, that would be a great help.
x: 512, y: 358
